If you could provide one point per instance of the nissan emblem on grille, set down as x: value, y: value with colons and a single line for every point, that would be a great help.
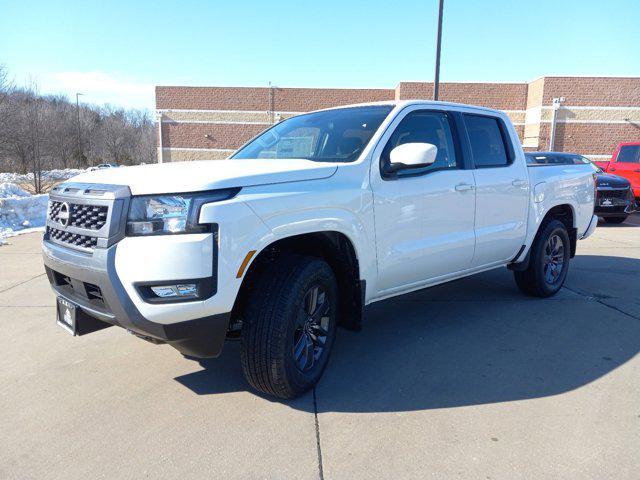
x: 64, y: 214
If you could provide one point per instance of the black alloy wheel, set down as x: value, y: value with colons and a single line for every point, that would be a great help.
x: 553, y: 259
x: 310, y: 335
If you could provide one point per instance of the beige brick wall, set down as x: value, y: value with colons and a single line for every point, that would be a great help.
x: 208, y: 135
x: 591, y: 138
x: 503, y: 96
x: 535, y: 92
x: 187, y: 155
x: 258, y: 98
x: 593, y: 91
x: 598, y: 112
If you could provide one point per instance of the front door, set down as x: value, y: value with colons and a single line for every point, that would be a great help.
x: 627, y: 165
x: 424, y: 217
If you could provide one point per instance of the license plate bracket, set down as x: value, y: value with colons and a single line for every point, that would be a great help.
x: 66, y: 315
x: 75, y: 321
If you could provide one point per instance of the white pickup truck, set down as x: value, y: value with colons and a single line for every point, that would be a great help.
x: 306, y: 224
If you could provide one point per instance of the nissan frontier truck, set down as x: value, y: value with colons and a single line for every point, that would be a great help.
x: 306, y: 224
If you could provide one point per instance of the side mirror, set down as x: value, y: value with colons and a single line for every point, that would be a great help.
x: 413, y: 155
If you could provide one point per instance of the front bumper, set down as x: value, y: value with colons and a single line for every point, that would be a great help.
x: 621, y: 202
x: 616, y: 211
x: 91, y: 282
x: 591, y: 228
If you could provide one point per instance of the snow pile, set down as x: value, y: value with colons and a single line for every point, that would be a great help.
x: 20, y: 210
x: 47, y: 176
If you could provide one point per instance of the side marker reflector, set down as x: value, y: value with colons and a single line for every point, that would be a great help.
x: 245, y: 262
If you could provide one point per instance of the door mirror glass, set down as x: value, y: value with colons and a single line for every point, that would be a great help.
x: 413, y: 155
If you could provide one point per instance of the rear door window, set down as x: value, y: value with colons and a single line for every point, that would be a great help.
x: 487, y: 139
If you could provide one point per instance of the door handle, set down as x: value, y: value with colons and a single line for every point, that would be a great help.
x: 612, y: 169
x: 463, y: 187
x: 519, y: 183
x: 637, y: 170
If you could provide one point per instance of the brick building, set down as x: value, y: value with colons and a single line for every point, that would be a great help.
x: 205, y: 123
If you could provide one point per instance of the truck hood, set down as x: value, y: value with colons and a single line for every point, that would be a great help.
x: 611, y: 181
x: 198, y: 176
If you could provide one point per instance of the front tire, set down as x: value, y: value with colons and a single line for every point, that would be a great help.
x: 289, y: 326
x: 548, y: 262
x: 615, y: 219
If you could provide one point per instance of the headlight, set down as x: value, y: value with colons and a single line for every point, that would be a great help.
x: 171, y: 214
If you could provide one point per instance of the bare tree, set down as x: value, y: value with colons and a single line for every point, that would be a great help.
x: 35, y: 133
x: 38, y: 132
x: 6, y: 89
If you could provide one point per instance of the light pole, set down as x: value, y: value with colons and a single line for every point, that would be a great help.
x: 160, y: 150
x: 78, y: 123
x: 436, y: 82
x: 556, y: 104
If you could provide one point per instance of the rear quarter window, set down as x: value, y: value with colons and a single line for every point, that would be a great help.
x: 488, y: 141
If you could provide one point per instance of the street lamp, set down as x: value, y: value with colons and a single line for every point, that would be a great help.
x: 436, y: 82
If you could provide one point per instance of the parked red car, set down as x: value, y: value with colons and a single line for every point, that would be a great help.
x: 625, y: 162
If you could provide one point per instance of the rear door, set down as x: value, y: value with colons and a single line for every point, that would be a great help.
x: 627, y: 164
x: 502, y: 189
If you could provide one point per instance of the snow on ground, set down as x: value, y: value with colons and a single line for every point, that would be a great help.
x: 21, y: 212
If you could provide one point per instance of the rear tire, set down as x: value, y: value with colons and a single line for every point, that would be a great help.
x: 289, y: 326
x: 615, y: 219
x: 548, y: 262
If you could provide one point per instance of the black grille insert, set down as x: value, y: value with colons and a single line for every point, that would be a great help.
x: 77, y: 289
x: 92, y: 217
x: 620, y: 194
x: 82, y: 241
x: 93, y: 292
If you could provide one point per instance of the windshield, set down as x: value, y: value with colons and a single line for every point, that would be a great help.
x: 629, y: 154
x: 338, y: 135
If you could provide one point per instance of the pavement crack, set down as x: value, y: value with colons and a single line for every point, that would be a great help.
x: 21, y: 283
x: 318, y: 447
x: 600, y: 300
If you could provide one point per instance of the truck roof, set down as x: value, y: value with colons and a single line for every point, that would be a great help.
x: 403, y: 103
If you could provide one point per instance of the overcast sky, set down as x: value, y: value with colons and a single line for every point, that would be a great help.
x: 116, y: 51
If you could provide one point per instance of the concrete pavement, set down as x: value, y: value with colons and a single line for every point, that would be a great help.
x: 466, y: 380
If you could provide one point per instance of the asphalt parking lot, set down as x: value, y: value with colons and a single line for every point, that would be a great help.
x: 466, y: 380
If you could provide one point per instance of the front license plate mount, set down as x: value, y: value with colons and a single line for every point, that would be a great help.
x: 75, y: 320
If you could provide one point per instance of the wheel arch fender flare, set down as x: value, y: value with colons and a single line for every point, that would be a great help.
x: 564, y: 212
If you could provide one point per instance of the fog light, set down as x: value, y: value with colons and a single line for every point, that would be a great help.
x: 181, y: 290
x: 187, y: 290
x: 165, y: 291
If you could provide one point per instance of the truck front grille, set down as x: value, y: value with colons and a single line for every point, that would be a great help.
x: 73, y: 239
x: 622, y: 194
x: 613, y: 197
x: 87, y: 216
x: 92, y: 217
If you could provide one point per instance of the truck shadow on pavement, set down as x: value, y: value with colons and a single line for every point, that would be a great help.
x: 471, y: 342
